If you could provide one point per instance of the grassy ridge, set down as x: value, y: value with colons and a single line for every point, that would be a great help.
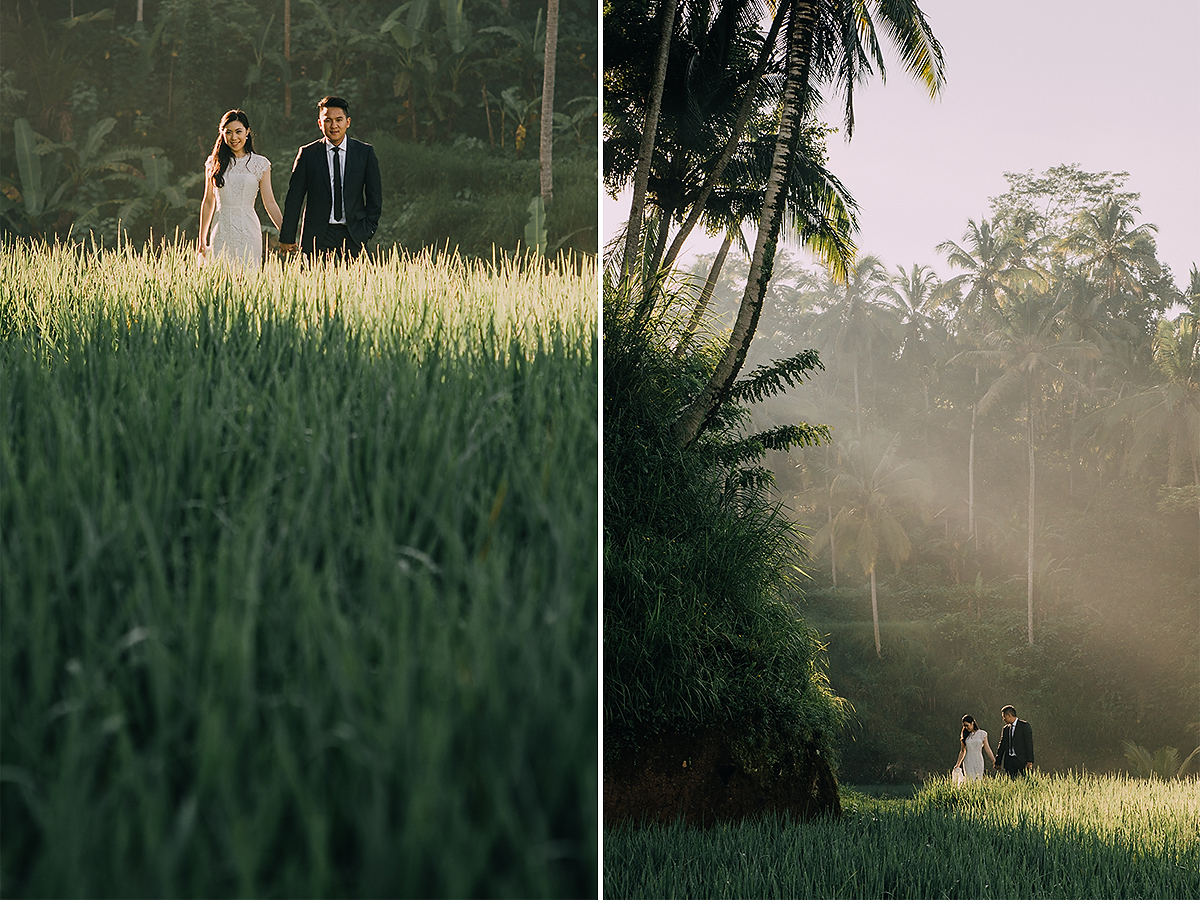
x: 1066, y: 836
x: 298, y: 577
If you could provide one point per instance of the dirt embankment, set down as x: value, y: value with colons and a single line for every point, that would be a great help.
x: 706, y: 780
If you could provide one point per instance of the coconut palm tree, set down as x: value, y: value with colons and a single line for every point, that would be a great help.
x: 752, y: 97
x: 852, y: 323
x: 866, y: 496
x: 1028, y: 348
x: 915, y: 295
x: 1120, y: 254
x: 832, y: 43
x: 994, y: 269
x: 709, y: 64
x: 993, y: 260
x: 715, y: 139
x: 1191, y: 296
x: 1087, y: 316
x: 1169, y: 412
x: 633, y: 235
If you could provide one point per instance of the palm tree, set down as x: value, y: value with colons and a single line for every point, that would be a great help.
x: 633, y: 235
x: 994, y: 271
x: 709, y: 63
x: 1169, y: 412
x: 994, y: 268
x: 716, y: 169
x: 706, y: 293
x: 915, y: 295
x: 1120, y: 255
x: 834, y: 43
x: 867, y: 494
x: 1028, y: 348
x: 1087, y: 316
x: 852, y: 323
x: 714, y: 147
x: 1191, y: 296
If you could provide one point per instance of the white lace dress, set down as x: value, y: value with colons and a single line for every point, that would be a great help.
x: 236, y: 232
x: 973, y: 761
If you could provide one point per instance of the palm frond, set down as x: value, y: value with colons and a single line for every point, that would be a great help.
x: 768, y: 380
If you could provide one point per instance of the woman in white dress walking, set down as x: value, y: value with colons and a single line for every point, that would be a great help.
x: 234, y: 175
x: 972, y: 744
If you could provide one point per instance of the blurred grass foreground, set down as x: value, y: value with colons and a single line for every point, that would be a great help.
x: 298, y: 576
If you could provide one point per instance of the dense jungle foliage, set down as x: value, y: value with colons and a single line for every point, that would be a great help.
x: 1056, y: 377
x: 108, y: 110
x: 698, y: 633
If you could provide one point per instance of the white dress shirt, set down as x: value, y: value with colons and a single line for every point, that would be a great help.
x: 341, y: 156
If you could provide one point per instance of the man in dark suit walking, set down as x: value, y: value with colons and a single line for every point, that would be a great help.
x: 339, y: 176
x: 1015, y: 752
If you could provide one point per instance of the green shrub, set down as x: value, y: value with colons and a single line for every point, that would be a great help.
x: 697, y: 562
x: 477, y: 200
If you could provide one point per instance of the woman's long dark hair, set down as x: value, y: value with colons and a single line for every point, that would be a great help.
x: 968, y: 721
x: 221, y: 155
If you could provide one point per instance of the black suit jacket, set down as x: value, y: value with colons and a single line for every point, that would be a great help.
x: 1022, y: 742
x: 362, y: 194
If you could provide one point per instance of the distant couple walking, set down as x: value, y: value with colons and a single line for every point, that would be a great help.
x: 335, y: 181
x: 1015, y: 753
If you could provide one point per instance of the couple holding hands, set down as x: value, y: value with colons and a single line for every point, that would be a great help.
x: 334, y: 180
x: 1014, y: 755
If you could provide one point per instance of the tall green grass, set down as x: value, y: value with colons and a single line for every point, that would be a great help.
x: 1065, y: 836
x: 298, y: 578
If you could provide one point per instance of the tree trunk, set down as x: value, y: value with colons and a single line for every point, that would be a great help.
x: 829, y: 510
x: 1071, y: 470
x: 1196, y: 478
x: 652, y: 265
x: 633, y: 230
x: 832, y: 542
x: 1029, y: 439
x: 546, y: 149
x: 487, y: 110
x: 971, y: 480
x: 857, y: 413
x: 735, y: 136
x: 925, y: 393
x: 287, y: 54
x: 801, y: 28
x: 971, y: 470
x: 875, y: 614
x: 710, y: 285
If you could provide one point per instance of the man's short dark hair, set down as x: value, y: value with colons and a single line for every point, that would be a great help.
x: 1008, y: 709
x: 336, y: 103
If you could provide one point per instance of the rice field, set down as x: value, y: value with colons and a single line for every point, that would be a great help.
x: 298, y: 577
x: 1063, y: 836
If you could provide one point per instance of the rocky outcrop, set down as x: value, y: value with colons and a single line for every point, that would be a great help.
x: 707, y: 777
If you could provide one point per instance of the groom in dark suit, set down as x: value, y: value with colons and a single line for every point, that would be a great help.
x: 339, y: 176
x: 1015, y: 752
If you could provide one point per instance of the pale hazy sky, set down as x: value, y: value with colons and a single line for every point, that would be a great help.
x: 1030, y: 84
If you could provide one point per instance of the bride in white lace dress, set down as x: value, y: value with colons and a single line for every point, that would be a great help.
x: 234, y: 175
x: 973, y: 742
